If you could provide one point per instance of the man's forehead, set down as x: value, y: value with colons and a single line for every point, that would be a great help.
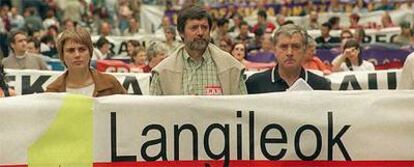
x: 296, y: 35
x: 197, y: 21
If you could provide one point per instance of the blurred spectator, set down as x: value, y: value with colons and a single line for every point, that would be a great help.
x: 311, y: 60
x: 244, y: 35
x: 69, y: 23
x: 20, y: 59
x: 237, y: 21
x: 5, y: 90
x: 75, y: 51
x: 265, y: 54
x: 386, y: 20
x: 32, y: 21
x: 106, y: 29
x: 335, y: 22
x: 170, y: 38
x: 262, y: 23
x: 384, y: 5
x: 360, y: 7
x: 354, y: 19
x: 33, y: 46
x: 133, y: 28
x: 280, y: 19
x: 335, y: 6
x: 103, y: 49
x: 48, y: 46
x: 221, y: 31
x: 312, y: 23
x: 124, y: 14
x: 238, y: 51
x: 131, y: 45
x: 155, y: 54
x: 406, y: 33
x: 165, y: 22
x: 50, y: 19
x: 138, y: 60
x: 325, y: 37
x: 16, y: 20
x: 225, y: 44
x: 72, y: 9
x: 351, y: 59
x: 359, y: 35
x: 256, y: 43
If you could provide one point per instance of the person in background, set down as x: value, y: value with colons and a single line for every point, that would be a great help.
x: 5, y: 90
x: 404, y: 38
x: 312, y: 23
x: 225, y: 44
x: 311, y: 60
x: 20, y: 58
x: 75, y: 51
x: 156, y: 52
x: 197, y: 67
x: 386, y: 21
x: 133, y: 28
x: 407, y: 74
x: 265, y: 54
x: 170, y: 38
x: 238, y: 51
x: 33, y: 46
x: 131, y: 45
x: 351, y: 59
x: 262, y: 23
x: 138, y: 60
x: 354, y: 19
x: 325, y: 37
x: 102, y: 50
x: 244, y: 35
x: 290, y: 43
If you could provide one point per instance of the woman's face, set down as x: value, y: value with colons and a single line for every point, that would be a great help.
x: 130, y: 48
x: 158, y: 58
x: 139, y: 58
x: 351, y: 53
x: 238, y: 52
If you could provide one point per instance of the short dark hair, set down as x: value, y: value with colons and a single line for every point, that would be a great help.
x: 191, y: 13
x: 327, y: 24
x: 13, y: 34
x: 35, y: 42
x: 101, y: 42
x: 262, y: 13
x: 221, y: 22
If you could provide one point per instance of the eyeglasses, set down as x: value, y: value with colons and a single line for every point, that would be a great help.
x: 346, y: 37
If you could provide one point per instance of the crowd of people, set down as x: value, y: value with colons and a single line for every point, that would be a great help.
x: 215, y: 45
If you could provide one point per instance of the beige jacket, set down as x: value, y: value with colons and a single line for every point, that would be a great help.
x: 171, y: 71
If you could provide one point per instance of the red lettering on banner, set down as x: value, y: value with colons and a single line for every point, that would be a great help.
x: 213, y: 90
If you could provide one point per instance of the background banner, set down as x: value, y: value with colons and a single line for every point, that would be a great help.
x: 34, y: 81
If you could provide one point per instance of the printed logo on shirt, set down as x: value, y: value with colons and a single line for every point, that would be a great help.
x: 213, y: 90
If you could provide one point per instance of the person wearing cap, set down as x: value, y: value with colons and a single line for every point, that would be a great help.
x: 290, y: 43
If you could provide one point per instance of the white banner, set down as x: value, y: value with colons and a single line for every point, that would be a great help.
x: 33, y: 81
x: 60, y: 129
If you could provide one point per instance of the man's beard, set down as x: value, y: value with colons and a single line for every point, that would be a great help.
x: 198, y: 44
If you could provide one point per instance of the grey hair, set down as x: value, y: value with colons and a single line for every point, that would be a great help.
x: 154, y: 49
x: 289, y: 30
